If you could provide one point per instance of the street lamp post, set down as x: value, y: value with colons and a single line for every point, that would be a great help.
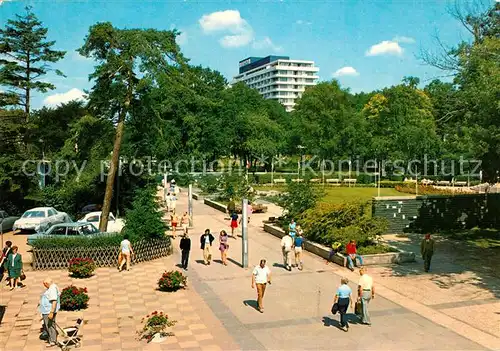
x: 301, y: 148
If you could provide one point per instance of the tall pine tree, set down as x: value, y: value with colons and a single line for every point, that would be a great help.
x: 25, y: 57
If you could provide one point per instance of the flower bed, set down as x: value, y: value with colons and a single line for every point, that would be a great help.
x: 155, y: 325
x: 73, y: 298
x: 172, y: 281
x: 81, y: 267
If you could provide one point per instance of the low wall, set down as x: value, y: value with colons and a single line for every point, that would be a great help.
x: 324, y: 251
x: 214, y: 204
x: 196, y: 196
x: 102, y: 256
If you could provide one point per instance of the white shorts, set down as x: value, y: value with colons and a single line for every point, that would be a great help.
x: 185, y: 226
x: 298, y: 249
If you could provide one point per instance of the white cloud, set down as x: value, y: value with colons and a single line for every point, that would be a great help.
x: 301, y: 22
x: 2, y: 1
x: 386, y: 47
x: 346, y: 71
x: 182, y: 38
x: 56, y: 99
x: 403, y: 39
x: 237, y: 32
x: 266, y: 44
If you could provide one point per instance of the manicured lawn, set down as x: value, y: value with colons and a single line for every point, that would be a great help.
x: 479, y: 238
x: 345, y: 194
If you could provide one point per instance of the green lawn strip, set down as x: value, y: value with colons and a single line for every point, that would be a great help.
x: 480, y: 238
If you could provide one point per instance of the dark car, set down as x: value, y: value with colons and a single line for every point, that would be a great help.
x: 6, y: 221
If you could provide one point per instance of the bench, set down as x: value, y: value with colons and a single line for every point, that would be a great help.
x: 460, y: 183
x: 333, y: 181
x: 426, y: 182
x: 279, y: 181
x: 315, y: 180
x: 298, y: 180
x: 443, y: 182
x: 350, y: 181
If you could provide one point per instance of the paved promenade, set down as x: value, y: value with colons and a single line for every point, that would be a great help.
x: 297, y: 304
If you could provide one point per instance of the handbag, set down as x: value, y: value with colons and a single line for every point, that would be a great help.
x: 23, y: 276
x: 335, y: 308
x: 358, y: 308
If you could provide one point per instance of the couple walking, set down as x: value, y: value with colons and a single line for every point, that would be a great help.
x: 343, y: 299
x: 292, y: 243
x: 206, y: 241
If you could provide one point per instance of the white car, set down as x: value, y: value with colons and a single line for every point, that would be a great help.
x: 114, y: 224
x: 40, y: 219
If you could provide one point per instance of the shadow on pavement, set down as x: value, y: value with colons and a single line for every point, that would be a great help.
x: 235, y: 262
x: 451, y: 258
x: 251, y: 303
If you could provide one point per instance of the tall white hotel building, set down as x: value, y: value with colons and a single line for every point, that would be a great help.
x: 278, y: 77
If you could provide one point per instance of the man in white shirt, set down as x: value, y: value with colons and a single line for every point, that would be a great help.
x: 366, y: 292
x: 261, y: 275
x: 286, y: 248
x: 49, y: 306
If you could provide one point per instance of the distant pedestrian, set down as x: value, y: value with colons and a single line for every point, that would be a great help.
x: 223, y: 246
x: 185, y: 222
x: 335, y: 249
x: 3, y: 260
x: 173, y: 202
x: 352, y: 255
x: 185, y: 247
x: 234, y: 223
x: 298, y: 247
x: 427, y: 250
x: 261, y: 276
x: 231, y: 206
x: 126, y: 252
x: 168, y: 202
x: 14, y: 266
x: 292, y: 228
x: 286, y: 249
x: 174, y: 220
x: 249, y: 211
x: 366, y: 292
x: 49, y: 306
x: 206, y: 243
x: 343, y: 298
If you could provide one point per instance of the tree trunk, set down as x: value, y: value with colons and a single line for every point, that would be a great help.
x: 27, y: 90
x: 108, y: 195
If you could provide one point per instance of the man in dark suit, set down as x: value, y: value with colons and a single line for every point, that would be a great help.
x: 427, y: 250
x: 206, y: 244
x: 185, y: 247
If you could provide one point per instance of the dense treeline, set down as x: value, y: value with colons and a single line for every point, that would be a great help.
x: 146, y: 93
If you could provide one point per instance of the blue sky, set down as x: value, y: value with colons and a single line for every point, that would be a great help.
x: 367, y: 45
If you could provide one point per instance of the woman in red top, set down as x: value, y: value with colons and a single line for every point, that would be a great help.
x: 352, y: 255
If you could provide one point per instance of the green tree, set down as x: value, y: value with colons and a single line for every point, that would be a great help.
x: 121, y: 54
x: 25, y: 59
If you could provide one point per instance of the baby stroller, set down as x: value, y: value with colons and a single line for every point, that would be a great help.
x: 69, y: 335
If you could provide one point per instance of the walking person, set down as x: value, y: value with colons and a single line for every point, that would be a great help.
x: 292, y: 228
x: 234, y: 223
x: 249, y: 211
x: 352, y: 255
x: 343, y: 298
x: 185, y: 222
x: 223, y: 246
x: 125, y: 251
x: 185, y: 247
x: 14, y: 267
x: 173, y: 202
x: 427, y: 250
x: 261, y: 276
x: 174, y: 220
x: 286, y: 249
x: 366, y: 292
x: 298, y: 247
x: 206, y: 243
x: 231, y: 206
x: 49, y: 306
x: 168, y: 202
x: 3, y: 262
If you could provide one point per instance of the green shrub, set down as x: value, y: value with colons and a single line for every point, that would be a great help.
x: 144, y: 220
x: 73, y: 298
x: 209, y: 183
x: 101, y: 240
x: 172, y: 281
x: 81, y: 267
x: 375, y: 249
x: 299, y: 197
x: 327, y: 223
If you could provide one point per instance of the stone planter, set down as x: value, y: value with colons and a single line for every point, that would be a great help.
x: 324, y: 251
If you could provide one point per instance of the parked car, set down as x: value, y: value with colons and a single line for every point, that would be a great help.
x: 89, y: 208
x: 40, y: 219
x: 66, y: 230
x: 114, y: 224
x: 6, y: 221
